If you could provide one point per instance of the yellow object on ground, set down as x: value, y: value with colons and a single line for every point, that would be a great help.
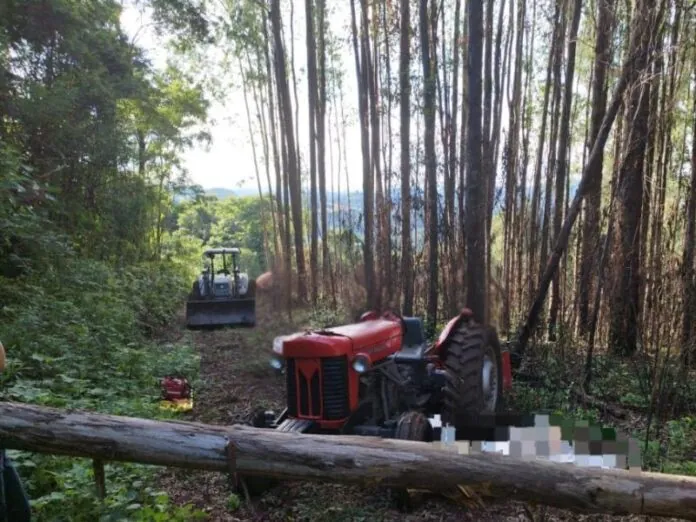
x: 177, y: 405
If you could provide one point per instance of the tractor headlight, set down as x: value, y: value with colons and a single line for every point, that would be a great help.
x: 278, y: 345
x: 361, y: 364
x: 276, y: 363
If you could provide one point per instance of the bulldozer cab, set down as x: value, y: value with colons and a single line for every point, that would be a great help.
x: 223, y: 295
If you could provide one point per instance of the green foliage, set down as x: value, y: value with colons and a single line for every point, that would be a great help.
x: 186, y: 20
x: 209, y: 222
x: 89, y: 124
x: 324, y: 316
x: 24, y: 243
x: 78, y: 338
x: 90, y: 146
x: 233, y: 503
x: 70, y: 492
x: 618, y: 383
x: 673, y: 451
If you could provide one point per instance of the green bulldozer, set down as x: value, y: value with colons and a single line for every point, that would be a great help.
x: 223, y: 296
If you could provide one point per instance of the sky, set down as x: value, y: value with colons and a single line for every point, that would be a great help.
x: 228, y: 162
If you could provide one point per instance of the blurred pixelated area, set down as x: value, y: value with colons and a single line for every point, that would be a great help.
x: 546, y: 437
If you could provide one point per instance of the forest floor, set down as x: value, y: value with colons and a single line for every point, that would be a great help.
x: 235, y: 379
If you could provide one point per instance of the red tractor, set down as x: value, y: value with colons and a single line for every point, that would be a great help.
x: 380, y: 377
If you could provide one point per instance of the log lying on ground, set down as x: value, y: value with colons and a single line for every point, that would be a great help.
x: 347, y: 459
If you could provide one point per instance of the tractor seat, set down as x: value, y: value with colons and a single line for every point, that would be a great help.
x: 414, y: 342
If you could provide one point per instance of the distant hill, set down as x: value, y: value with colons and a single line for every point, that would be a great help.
x: 224, y: 193
x: 339, y: 205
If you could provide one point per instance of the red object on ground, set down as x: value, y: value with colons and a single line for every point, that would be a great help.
x: 175, y: 388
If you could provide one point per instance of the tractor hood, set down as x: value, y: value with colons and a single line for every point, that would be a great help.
x: 374, y: 339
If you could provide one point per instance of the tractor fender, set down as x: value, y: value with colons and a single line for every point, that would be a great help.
x: 452, y: 325
x: 466, y: 313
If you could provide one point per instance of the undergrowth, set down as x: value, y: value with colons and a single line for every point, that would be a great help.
x: 552, y: 376
x: 82, y: 337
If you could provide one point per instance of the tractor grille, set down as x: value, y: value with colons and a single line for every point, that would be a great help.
x: 222, y: 290
x: 291, y: 387
x: 310, y: 394
x: 335, y: 392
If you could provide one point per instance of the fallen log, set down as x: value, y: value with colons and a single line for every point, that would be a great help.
x: 347, y: 459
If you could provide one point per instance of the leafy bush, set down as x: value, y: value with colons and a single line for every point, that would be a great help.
x: 79, y: 338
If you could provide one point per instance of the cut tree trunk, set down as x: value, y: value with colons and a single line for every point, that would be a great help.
x: 345, y: 459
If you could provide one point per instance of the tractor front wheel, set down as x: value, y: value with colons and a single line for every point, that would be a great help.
x: 412, y: 425
x: 256, y: 485
x: 473, y: 371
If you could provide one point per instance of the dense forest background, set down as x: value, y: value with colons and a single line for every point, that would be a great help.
x: 496, y: 139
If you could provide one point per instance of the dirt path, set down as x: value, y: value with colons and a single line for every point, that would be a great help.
x: 236, y: 379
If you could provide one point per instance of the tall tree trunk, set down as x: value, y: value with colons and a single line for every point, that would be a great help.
x: 370, y: 62
x: 593, y: 204
x: 274, y: 141
x: 452, y: 236
x: 293, y: 71
x: 644, y: 22
x: 321, y: 141
x: 601, y: 276
x: 477, y: 178
x: 312, y: 89
x: 430, y: 161
x: 562, y: 162
x: 463, y: 137
x: 286, y: 210
x: 487, y: 74
x: 390, y: 261
x: 405, y: 101
x: 688, y: 334
x: 512, y: 155
x: 368, y: 195
x: 293, y: 167
x: 626, y: 298
x: 553, y: 137
x: 491, y: 142
x: 536, y: 191
x: 527, y: 117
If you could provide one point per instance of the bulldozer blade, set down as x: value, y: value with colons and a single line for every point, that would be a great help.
x: 234, y: 312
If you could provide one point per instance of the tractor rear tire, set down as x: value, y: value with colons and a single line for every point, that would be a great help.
x: 470, y: 350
